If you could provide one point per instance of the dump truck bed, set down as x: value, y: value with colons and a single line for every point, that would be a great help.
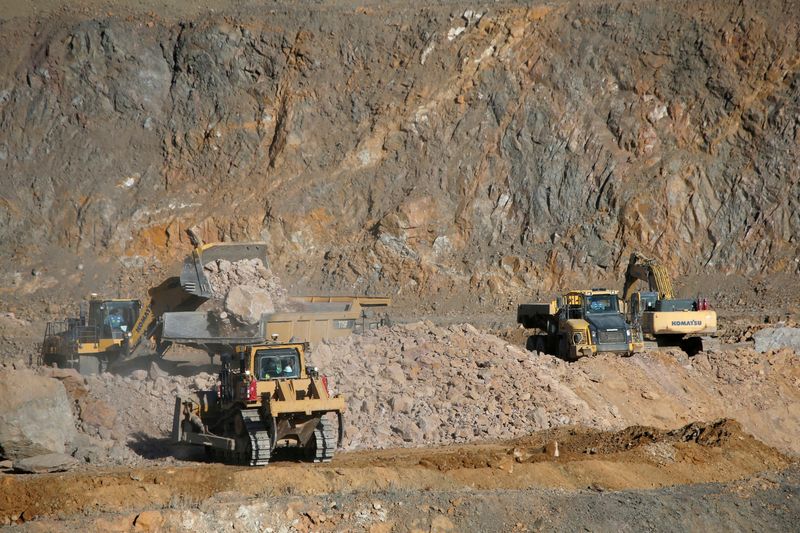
x: 536, y: 315
x: 201, y: 327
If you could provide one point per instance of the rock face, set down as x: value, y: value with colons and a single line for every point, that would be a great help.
x: 35, y: 416
x: 491, y: 150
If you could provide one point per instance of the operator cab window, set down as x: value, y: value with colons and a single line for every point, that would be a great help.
x: 280, y: 363
x: 115, y: 318
x: 601, y: 303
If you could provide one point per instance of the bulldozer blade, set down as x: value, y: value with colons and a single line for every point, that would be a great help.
x: 193, y: 277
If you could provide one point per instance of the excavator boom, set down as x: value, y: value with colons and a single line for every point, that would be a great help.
x: 651, y: 271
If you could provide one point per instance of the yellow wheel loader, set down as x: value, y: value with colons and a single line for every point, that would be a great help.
x: 665, y: 320
x: 580, y: 323
x: 111, y: 329
x: 266, y: 399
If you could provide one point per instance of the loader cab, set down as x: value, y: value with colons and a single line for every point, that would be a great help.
x: 113, y: 319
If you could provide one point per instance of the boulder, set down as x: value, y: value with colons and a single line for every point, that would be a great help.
x: 777, y: 338
x: 401, y: 403
x: 148, y: 521
x: 35, y: 415
x: 247, y: 303
x: 40, y: 464
x: 74, y: 382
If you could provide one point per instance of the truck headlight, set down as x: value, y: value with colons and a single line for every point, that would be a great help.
x: 577, y: 338
x: 628, y: 334
x: 593, y: 333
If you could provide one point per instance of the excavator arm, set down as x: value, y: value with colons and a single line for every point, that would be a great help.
x: 650, y: 271
x: 168, y: 296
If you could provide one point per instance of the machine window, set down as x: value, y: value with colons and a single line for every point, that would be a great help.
x: 601, y: 303
x: 277, y: 363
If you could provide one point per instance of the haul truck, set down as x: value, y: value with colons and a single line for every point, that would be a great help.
x: 580, y: 323
x: 317, y: 318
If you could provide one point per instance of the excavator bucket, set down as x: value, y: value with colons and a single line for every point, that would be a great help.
x: 193, y: 275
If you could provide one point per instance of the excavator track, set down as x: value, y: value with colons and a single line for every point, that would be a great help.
x: 323, y: 442
x: 259, y: 449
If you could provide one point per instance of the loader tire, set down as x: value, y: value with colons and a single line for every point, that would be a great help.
x: 322, y: 444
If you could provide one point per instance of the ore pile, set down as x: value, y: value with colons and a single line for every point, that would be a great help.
x: 106, y: 419
x: 422, y: 384
x: 246, y: 289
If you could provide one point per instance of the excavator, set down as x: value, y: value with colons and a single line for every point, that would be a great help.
x: 666, y: 321
x: 108, y: 330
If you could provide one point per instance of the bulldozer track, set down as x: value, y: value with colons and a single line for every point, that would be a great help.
x: 324, y: 441
x: 259, y: 451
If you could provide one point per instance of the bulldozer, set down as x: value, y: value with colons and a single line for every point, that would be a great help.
x: 267, y: 398
x: 580, y: 323
x: 667, y: 321
x: 108, y: 330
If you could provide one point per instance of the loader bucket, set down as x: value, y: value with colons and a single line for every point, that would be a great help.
x: 193, y: 276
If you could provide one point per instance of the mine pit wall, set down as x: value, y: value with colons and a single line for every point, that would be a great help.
x: 420, y: 149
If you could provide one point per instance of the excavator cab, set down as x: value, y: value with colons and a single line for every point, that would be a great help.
x: 641, y: 302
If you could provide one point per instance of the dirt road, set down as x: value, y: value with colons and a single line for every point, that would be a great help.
x: 635, y: 458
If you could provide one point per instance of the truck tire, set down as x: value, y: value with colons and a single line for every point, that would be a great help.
x: 537, y: 343
x: 563, y: 349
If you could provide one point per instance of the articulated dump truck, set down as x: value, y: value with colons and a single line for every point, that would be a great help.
x: 267, y: 398
x: 580, y: 323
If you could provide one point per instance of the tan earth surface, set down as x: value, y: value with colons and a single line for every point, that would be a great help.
x: 462, y: 158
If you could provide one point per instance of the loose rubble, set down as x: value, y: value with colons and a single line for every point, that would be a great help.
x: 422, y: 384
x: 226, y: 275
x: 244, y: 291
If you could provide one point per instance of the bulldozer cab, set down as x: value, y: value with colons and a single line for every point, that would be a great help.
x: 277, y: 363
x: 113, y: 319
